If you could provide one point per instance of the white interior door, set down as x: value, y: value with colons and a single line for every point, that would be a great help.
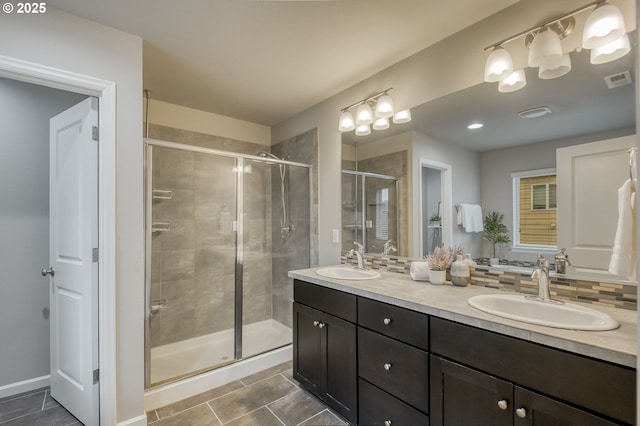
x: 73, y: 237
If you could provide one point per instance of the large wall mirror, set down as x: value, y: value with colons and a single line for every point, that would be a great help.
x: 434, y: 164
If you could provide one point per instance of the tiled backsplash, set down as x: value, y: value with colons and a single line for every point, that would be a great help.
x: 615, y: 295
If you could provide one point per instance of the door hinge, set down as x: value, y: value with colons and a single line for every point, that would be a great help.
x: 94, y: 133
x: 94, y: 254
x: 96, y: 376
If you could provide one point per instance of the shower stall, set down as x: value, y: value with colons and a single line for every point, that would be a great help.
x: 223, y: 229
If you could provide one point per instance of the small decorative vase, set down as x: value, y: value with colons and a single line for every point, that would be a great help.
x: 437, y: 277
x: 460, y: 274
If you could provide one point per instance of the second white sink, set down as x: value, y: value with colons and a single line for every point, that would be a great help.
x: 348, y: 273
x: 567, y: 315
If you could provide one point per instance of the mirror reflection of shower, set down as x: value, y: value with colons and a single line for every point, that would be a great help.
x: 286, y: 227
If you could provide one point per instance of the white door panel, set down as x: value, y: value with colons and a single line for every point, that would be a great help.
x: 73, y: 236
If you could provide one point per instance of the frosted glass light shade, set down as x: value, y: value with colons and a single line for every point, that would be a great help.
x: 364, y: 115
x: 603, y: 26
x: 612, y: 51
x: 498, y: 65
x: 346, y: 122
x: 403, y: 116
x: 384, y: 107
x: 545, y: 49
x: 363, y: 130
x: 516, y: 81
x: 381, y: 124
x: 563, y: 67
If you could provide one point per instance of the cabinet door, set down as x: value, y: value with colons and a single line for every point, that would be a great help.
x: 463, y: 396
x: 532, y: 409
x: 307, y: 348
x: 341, y: 373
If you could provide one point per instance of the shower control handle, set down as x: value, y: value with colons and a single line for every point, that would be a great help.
x: 48, y: 271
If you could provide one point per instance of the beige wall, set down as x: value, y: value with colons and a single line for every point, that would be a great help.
x: 68, y: 43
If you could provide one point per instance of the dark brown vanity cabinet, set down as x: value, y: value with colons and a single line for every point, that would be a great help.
x: 480, y: 377
x: 324, y: 350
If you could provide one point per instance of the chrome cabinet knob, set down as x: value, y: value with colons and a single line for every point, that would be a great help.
x: 386, y: 321
x: 502, y: 404
x: 48, y: 271
x: 387, y: 423
x: 316, y: 323
x: 387, y: 366
x: 521, y: 412
x: 321, y: 325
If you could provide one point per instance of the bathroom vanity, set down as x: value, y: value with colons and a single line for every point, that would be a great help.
x: 391, y: 351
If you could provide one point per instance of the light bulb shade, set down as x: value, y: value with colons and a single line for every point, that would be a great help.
x: 498, y: 65
x: 563, y: 67
x: 516, y: 81
x: 545, y: 49
x: 403, y: 116
x: 346, y: 123
x: 364, y: 115
x: 381, y: 124
x: 384, y: 107
x: 603, y: 26
x: 612, y: 51
x: 363, y: 130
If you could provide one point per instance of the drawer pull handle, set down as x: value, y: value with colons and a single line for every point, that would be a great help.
x: 387, y: 321
x: 387, y: 423
x: 521, y: 412
x: 502, y: 404
x: 321, y: 325
x: 387, y: 366
x: 316, y: 323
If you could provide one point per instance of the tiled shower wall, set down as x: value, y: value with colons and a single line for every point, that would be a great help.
x: 193, y: 264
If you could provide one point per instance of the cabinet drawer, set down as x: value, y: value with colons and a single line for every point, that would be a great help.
x: 401, y: 324
x: 375, y: 407
x: 596, y: 385
x: 399, y: 369
x: 342, y: 305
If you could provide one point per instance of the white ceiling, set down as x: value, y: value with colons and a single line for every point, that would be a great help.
x: 265, y: 61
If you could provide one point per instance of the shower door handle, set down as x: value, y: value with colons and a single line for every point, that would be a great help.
x: 48, y: 271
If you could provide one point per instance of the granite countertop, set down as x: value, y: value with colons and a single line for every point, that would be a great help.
x: 449, y: 302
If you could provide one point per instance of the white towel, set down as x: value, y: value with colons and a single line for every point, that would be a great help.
x: 470, y: 217
x: 419, y: 271
x: 623, y: 256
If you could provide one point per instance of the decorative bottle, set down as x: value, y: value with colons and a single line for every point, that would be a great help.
x: 460, y: 274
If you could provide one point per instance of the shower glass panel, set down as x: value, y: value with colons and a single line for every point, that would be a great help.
x: 217, y: 256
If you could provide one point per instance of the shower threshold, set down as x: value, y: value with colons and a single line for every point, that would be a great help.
x: 191, y: 356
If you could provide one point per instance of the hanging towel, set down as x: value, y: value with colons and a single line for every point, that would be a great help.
x: 623, y: 256
x: 470, y: 217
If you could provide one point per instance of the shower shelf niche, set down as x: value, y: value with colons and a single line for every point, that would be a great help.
x: 162, y: 194
x: 160, y: 227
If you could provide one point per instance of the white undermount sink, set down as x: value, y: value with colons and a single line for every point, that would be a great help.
x: 348, y: 273
x: 567, y: 315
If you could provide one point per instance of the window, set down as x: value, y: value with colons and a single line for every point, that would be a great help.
x: 382, y: 214
x: 535, y: 209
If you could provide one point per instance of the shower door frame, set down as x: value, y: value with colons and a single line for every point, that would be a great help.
x: 149, y: 143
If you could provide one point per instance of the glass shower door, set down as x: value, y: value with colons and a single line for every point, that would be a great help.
x: 192, y: 201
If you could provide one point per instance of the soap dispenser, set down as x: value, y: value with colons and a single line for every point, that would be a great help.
x: 561, y: 261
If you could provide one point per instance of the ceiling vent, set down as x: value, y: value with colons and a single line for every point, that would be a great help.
x: 617, y: 80
x: 536, y: 112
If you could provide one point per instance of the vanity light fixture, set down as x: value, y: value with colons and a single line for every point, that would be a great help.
x: 374, y: 111
x: 604, y: 33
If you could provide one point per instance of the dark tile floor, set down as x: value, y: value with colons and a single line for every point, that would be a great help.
x: 34, y: 408
x: 270, y: 397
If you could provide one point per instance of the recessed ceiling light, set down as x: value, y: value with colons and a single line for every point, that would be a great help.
x: 475, y: 126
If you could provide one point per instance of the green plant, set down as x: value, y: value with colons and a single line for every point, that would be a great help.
x: 495, y: 231
x: 435, y: 218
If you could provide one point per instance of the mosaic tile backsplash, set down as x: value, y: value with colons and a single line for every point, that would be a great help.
x: 623, y: 296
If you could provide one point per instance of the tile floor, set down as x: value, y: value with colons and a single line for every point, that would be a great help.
x: 34, y: 408
x: 270, y: 397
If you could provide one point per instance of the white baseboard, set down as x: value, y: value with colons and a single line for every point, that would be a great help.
x: 25, y: 386
x: 136, y: 421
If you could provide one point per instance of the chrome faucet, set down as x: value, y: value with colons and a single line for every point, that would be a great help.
x: 542, y: 274
x: 388, y: 248
x: 358, y: 252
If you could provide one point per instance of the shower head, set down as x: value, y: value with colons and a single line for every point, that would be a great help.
x: 266, y: 154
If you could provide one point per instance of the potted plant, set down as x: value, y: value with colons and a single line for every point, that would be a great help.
x: 438, y: 263
x: 495, y: 232
x: 435, y: 219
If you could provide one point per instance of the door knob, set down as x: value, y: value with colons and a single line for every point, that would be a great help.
x: 48, y: 271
